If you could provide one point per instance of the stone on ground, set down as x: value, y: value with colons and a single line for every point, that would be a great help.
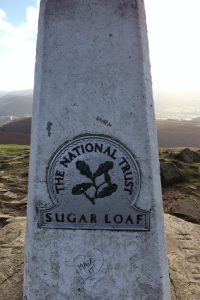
x: 11, y: 260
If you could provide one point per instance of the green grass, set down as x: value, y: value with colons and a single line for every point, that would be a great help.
x: 14, y: 149
x: 14, y: 160
x: 190, y: 171
x: 164, y: 151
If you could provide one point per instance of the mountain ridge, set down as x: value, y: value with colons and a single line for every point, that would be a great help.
x: 17, y: 103
x: 168, y: 104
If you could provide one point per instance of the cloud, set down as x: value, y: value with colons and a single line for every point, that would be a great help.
x: 173, y: 27
x: 173, y: 36
x: 17, y: 50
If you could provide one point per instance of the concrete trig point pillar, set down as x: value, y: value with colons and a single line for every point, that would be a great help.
x: 95, y: 219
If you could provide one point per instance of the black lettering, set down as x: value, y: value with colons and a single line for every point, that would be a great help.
x: 58, y: 181
x: 127, y: 190
x: 82, y: 148
x: 107, y: 220
x: 107, y: 151
x: 76, y: 149
x: 129, y: 184
x: 59, y: 173
x: 83, y: 218
x: 64, y: 162
x: 61, y: 219
x: 48, y: 217
x: 129, y: 219
x: 93, y: 218
x: 123, y: 161
x: 71, y: 218
x: 98, y: 147
x: 126, y: 168
x: 118, y: 219
x: 113, y: 154
x: 71, y: 156
x: 129, y: 173
x: 139, y: 218
x: 58, y: 189
x: 89, y: 147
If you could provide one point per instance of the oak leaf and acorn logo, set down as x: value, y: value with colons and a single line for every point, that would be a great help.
x: 102, y: 190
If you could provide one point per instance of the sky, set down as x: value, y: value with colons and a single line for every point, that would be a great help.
x: 173, y: 28
x: 18, y: 31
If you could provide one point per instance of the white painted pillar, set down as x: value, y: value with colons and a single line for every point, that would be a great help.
x: 95, y: 218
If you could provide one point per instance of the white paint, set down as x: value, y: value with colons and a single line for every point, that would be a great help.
x: 92, y: 61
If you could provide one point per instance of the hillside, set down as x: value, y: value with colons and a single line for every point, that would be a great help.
x: 21, y: 125
x: 168, y: 104
x: 173, y: 133
x: 16, y: 104
x: 16, y: 132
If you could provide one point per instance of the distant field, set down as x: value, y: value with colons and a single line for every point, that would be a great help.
x: 16, y: 132
x: 14, y: 138
x: 170, y: 133
x: 14, y: 149
x: 178, y: 133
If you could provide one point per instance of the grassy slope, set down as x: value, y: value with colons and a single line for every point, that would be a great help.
x: 13, y: 179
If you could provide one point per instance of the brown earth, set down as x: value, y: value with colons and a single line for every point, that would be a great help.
x: 16, y: 132
x: 21, y: 125
x: 14, y: 138
x: 178, y: 133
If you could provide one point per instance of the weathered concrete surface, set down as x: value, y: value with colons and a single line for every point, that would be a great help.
x: 92, y: 65
x: 183, y: 240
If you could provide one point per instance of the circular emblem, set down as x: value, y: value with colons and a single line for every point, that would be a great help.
x: 93, y: 171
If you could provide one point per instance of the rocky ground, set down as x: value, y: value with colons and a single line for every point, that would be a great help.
x: 180, y: 176
x: 180, y: 173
